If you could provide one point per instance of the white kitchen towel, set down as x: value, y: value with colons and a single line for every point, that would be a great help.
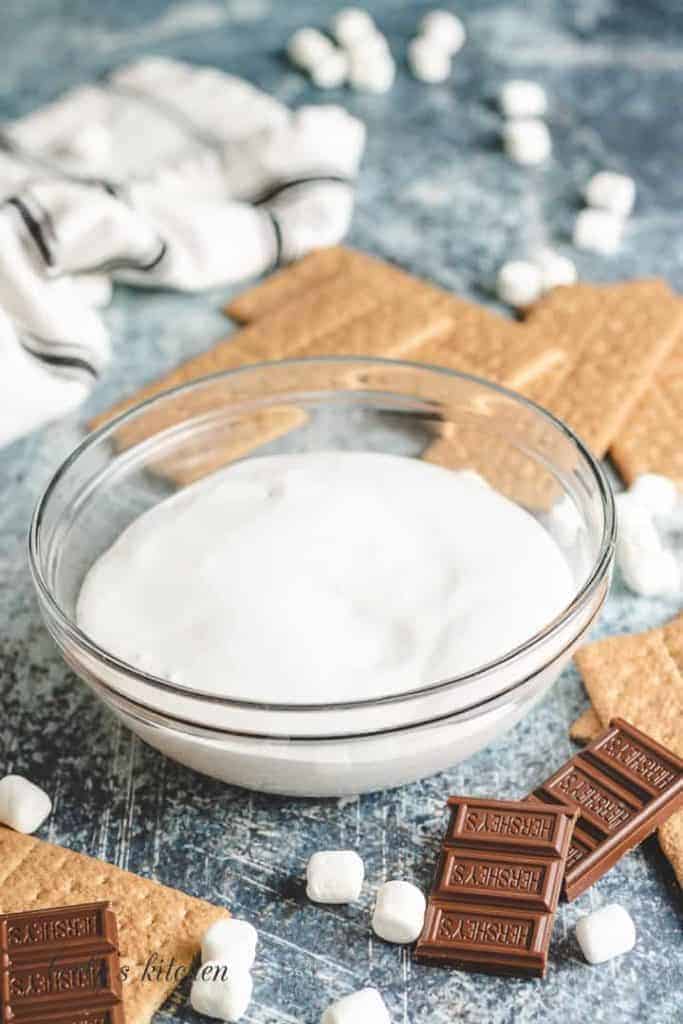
x: 165, y: 175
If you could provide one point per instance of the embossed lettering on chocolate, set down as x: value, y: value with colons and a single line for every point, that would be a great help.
x: 623, y: 785
x: 60, y: 965
x: 497, y: 886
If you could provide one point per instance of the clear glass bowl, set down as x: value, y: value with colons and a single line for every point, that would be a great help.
x: 457, y: 421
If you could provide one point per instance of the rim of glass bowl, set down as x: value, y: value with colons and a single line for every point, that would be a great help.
x: 78, y: 637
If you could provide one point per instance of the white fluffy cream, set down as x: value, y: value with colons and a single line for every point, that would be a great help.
x: 323, y: 577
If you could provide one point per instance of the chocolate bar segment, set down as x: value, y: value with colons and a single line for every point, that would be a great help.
x: 533, y: 881
x: 497, y: 886
x: 490, y: 940
x: 60, y: 966
x: 89, y: 926
x: 55, y: 982
x: 506, y: 825
x: 107, y: 1015
x: 623, y: 785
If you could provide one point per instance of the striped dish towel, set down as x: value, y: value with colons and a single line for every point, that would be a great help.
x: 163, y: 175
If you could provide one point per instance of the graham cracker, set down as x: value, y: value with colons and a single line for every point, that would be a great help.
x: 651, y: 440
x: 151, y: 918
x: 640, y: 678
x: 587, y: 727
x: 587, y: 353
x: 639, y: 324
x: 278, y: 335
x: 284, y: 284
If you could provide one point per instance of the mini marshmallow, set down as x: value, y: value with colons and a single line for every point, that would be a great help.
x: 427, y: 62
x: 399, y: 912
x: 648, y: 573
x: 232, y: 942
x: 331, y: 71
x: 606, y: 933
x: 445, y: 29
x: 646, y: 566
x: 527, y: 140
x: 518, y: 283
x: 658, y: 495
x: 307, y: 47
x: 364, y: 1007
x: 352, y: 24
x: 373, y: 46
x: 610, y: 191
x: 519, y: 98
x: 218, y: 991
x: 598, y: 231
x: 555, y: 269
x: 23, y: 805
x: 334, y: 876
x: 374, y: 73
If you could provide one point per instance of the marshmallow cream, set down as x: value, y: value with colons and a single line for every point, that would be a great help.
x: 324, y: 577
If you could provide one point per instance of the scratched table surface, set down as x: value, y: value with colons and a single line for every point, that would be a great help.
x: 436, y: 195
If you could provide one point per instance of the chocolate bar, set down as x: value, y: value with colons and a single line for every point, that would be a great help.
x: 60, y: 966
x: 623, y: 785
x: 497, y: 885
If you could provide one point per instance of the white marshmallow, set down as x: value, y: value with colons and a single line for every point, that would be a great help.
x: 519, y: 283
x: 659, y: 495
x: 307, y: 47
x: 634, y: 522
x: 372, y: 45
x: 331, y: 71
x: 598, y: 231
x: 648, y: 573
x: 445, y: 29
x: 427, y: 62
x: 352, y: 24
x: 231, y: 942
x: 218, y: 991
x: 364, y: 1007
x: 527, y: 140
x: 610, y: 191
x: 334, y: 876
x: 23, y: 805
x: 646, y: 566
x: 519, y: 98
x: 555, y: 269
x: 399, y: 912
x: 371, y: 73
x: 606, y: 933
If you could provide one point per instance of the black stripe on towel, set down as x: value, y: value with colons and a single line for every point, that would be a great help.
x: 34, y: 229
x: 275, y: 190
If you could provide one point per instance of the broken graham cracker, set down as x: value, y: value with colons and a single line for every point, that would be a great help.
x: 586, y: 352
x: 640, y: 678
x: 651, y: 441
x: 151, y: 918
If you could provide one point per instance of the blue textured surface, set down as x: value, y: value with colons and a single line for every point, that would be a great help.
x: 437, y: 196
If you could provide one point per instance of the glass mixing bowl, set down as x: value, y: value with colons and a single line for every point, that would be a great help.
x: 183, y: 435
